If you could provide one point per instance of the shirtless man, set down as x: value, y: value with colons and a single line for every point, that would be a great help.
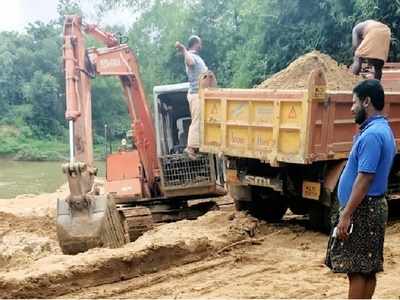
x: 371, y: 42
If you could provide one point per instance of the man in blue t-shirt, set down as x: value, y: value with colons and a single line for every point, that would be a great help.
x: 356, y: 243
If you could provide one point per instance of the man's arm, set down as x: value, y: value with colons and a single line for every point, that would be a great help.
x: 188, y: 58
x: 356, y: 41
x: 356, y: 36
x: 360, y: 190
x: 356, y: 66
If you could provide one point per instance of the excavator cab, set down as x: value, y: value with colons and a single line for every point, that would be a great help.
x: 180, y: 175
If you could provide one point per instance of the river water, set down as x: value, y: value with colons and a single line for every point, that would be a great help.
x: 27, y: 177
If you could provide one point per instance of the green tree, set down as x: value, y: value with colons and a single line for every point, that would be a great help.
x: 42, y: 92
x: 386, y: 11
x: 244, y: 42
x: 109, y: 106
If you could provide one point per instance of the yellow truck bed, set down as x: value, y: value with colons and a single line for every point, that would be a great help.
x: 283, y: 126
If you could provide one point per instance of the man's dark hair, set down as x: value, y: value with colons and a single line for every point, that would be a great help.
x: 373, y: 89
x: 193, y: 40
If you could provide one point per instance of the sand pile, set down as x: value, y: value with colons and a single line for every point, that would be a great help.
x: 295, y: 76
x: 31, y: 263
x: 166, y: 246
x: 17, y: 249
x: 25, y: 239
x: 39, y: 225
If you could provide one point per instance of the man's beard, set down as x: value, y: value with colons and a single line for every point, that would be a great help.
x: 361, y: 116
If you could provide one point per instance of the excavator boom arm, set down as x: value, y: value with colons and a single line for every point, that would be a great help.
x: 86, y: 219
x: 121, y: 61
x: 114, y: 60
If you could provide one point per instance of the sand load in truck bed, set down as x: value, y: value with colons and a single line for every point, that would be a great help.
x: 295, y: 76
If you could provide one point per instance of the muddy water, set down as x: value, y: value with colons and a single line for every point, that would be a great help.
x: 27, y: 177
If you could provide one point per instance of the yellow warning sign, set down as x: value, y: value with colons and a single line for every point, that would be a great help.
x: 214, y: 109
x: 292, y: 113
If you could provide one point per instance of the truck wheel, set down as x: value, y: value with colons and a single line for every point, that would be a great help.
x: 322, y: 216
x: 394, y: 208
x: 267, y: 204
x: 298, y: 206
x: 241, y: 195
x: 319, y: 217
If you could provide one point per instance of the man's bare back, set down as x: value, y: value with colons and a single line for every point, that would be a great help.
x: 370, y: 43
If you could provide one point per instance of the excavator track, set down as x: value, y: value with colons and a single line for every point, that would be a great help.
x: 139, y: 219
x: 136, y: 221
x: 111, y: 226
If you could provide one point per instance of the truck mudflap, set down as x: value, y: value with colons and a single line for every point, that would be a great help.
x: 95, y: 224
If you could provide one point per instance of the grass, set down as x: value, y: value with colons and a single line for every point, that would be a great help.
x: 29, y: 149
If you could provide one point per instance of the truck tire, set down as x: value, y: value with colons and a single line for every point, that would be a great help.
x: 321, y: 217
x: 394, y: 208
x: 298, y: 205
x: 241, y: 196
x: 268, y: 205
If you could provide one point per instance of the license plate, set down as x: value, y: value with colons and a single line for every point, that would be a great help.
x: 311, y: 190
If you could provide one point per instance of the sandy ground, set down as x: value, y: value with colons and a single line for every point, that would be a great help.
x: 27, y: 229
x: 216, y: 256
x: 288, y: 263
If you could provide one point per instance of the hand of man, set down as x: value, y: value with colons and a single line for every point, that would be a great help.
x: 343, y: 227
x: 179, y: 46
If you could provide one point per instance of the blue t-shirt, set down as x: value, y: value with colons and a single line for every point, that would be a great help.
x: 373, y: 151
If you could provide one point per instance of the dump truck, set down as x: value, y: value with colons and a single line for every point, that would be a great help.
x: 287, y: 148
x: 148, y: 183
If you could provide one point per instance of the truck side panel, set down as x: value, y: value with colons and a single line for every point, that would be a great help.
x: 283, y: 126
x: 268, y: 125
x: 332, y: 118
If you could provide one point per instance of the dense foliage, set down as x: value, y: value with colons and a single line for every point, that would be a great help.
x: 244, y: 42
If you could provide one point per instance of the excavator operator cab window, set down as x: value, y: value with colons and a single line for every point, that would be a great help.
x: 173, y: 121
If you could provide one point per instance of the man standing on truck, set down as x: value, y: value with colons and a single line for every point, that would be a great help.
x: 371, y: 42
x: 195, y: 66
x: 356, y: 244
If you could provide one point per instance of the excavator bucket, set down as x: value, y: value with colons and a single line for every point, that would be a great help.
x: 95, y: 225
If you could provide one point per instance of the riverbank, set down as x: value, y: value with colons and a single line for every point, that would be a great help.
x: 33, y: 177
x: 16, y: 148
x: 28, y: 149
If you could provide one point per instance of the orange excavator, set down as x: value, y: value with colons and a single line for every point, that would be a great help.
x: 144, y: 186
